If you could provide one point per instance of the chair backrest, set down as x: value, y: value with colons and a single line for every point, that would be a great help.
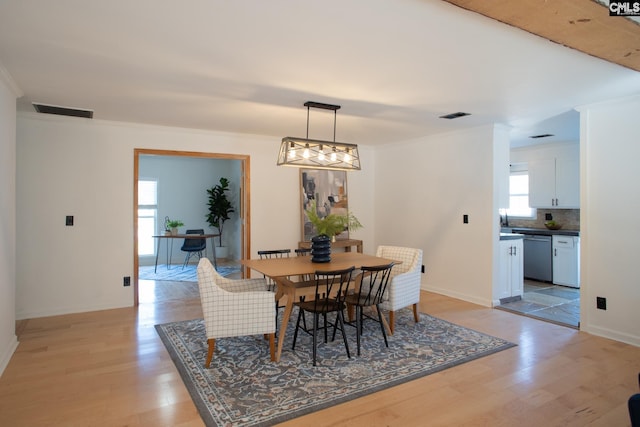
x: 303, y: 251
x: 373, y: 284
x: 411, y: 258
x: 274, y: 253
x: 331, y: 287
x: 194, y: 244
x: 207, y: 277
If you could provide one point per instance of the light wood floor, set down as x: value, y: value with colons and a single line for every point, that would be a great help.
x: 109, y: 368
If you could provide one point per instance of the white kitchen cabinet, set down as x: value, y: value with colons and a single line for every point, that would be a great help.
x: 511, y: 274
x: 566, y: 260
x: 554, y: 183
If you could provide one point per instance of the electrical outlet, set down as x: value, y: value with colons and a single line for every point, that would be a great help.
x: 69, y: 220
x: 422, y: 268
x: 601, y: 303
x: 548, y: 217
x: 465, y: 219
x: 126, y: 281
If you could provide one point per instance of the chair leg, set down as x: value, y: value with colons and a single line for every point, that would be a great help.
x: 212, y: 347
x: 358, y: 326
x: 316, y: 318
x: 384, y: 333
x: 416, y: 315
x: 392, y: 321
x: 325, y: 327
x: 272, y: 346
x: 295, y: 333
x: 344, y: 335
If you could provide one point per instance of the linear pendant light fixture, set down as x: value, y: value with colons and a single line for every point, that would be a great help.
x: 317, y: 154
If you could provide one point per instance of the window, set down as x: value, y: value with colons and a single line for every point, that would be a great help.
x: 519, y: 193
x: 147, y: 216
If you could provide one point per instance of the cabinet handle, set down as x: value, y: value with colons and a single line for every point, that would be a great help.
x: 510, y: 250
x: 515, y: 248
x: 555, y: 252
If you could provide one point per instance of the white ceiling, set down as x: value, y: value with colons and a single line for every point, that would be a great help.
x: 249, y: 65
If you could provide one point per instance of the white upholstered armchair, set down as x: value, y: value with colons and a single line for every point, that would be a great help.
x: 233, y: 308
x: 404, y: 286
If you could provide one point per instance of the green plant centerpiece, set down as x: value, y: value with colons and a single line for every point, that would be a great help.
x: 172, y: 225
x: 327, y: 228
x: 220, y: 207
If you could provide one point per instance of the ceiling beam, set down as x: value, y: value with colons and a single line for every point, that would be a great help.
x: 584, y: 25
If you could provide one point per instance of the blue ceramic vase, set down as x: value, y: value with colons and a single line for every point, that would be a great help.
x: 321, y: 249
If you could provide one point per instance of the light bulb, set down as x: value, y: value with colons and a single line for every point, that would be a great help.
x: 305, y: 153
x: 347, y: 157
x: 292, y: 153
x: 334, y: 156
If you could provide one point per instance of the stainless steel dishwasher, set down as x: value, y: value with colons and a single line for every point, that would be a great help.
x: 538, y: 260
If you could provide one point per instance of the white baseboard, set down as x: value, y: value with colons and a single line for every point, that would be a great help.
x: 611, y: 334
x: 464, y: 297
x: 8, y: 352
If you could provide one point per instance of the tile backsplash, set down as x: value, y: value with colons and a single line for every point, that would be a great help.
x: 568, y: 218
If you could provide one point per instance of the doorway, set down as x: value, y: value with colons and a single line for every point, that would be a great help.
x: 242, y: 207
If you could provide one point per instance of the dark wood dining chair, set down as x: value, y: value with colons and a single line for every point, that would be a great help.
x: 330, y: 290
x: 273, y: 253
x: 371, y: 286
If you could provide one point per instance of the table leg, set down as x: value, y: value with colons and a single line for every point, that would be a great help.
x: 288, y: 308
x: 169, y: 253
x: 155, y: 270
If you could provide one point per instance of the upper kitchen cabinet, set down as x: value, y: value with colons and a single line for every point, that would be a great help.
x: 555, y: 183
x: 554, y: 174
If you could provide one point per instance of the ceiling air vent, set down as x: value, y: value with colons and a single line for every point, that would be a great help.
x: 63, y: 111
x: 455, y: 115
x: 544, y: 135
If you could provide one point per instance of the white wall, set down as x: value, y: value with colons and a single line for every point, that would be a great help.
x: 423, y: 189
x: 8, y: 95
x: 182, y: 194
x: 610, y: 203
x: 81, y: 167
x: 70, y: 166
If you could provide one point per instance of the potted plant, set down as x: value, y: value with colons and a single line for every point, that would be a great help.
x: 327, y: 228
x: 173, y: 225
x: 219, y: 210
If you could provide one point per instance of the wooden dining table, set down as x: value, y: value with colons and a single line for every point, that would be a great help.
x: 284, y: 272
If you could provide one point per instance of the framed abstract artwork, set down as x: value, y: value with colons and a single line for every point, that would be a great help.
x: 328, y: 189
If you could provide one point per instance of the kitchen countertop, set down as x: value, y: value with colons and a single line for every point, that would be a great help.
x: 511, y: 236
x: 541, y: 231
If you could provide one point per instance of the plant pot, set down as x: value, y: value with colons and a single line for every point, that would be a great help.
x: 222, y: 252
x: 321, y: 249
x: 174, y: 231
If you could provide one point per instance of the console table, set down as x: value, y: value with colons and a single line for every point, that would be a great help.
x: 347, y: 244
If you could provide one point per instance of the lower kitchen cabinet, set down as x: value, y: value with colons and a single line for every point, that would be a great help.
x: 566, y: 261
x: 511, y: 273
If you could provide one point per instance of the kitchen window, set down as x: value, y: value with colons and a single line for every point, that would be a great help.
x: 147, y: 216
x: 519, y: 193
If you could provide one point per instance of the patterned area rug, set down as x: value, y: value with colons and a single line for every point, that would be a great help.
x: 177, y: 274
x: 244, y: 388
